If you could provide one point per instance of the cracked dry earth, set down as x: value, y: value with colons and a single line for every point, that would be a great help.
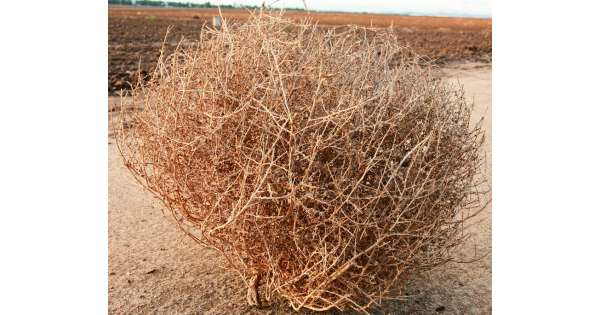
x: 155, y: 269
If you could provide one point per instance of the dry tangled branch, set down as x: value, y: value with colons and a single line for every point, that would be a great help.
x: 325, y: 164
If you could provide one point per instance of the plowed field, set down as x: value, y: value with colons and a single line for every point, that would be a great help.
x: 135, y: 35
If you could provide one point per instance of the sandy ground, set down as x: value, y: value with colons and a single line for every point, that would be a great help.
x: 155, y: 269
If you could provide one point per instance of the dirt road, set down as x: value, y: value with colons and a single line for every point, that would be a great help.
x: 155, y: 269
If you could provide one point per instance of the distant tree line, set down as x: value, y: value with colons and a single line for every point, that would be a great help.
x: 154, y: 3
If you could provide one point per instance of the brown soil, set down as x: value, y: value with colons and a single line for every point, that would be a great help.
x: 135, y: 36
x: 155, y: 268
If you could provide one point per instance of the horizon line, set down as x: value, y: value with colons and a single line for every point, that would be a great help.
x: 406, y: 13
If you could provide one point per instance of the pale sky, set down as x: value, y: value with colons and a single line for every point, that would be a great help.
x: 479, y: 8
